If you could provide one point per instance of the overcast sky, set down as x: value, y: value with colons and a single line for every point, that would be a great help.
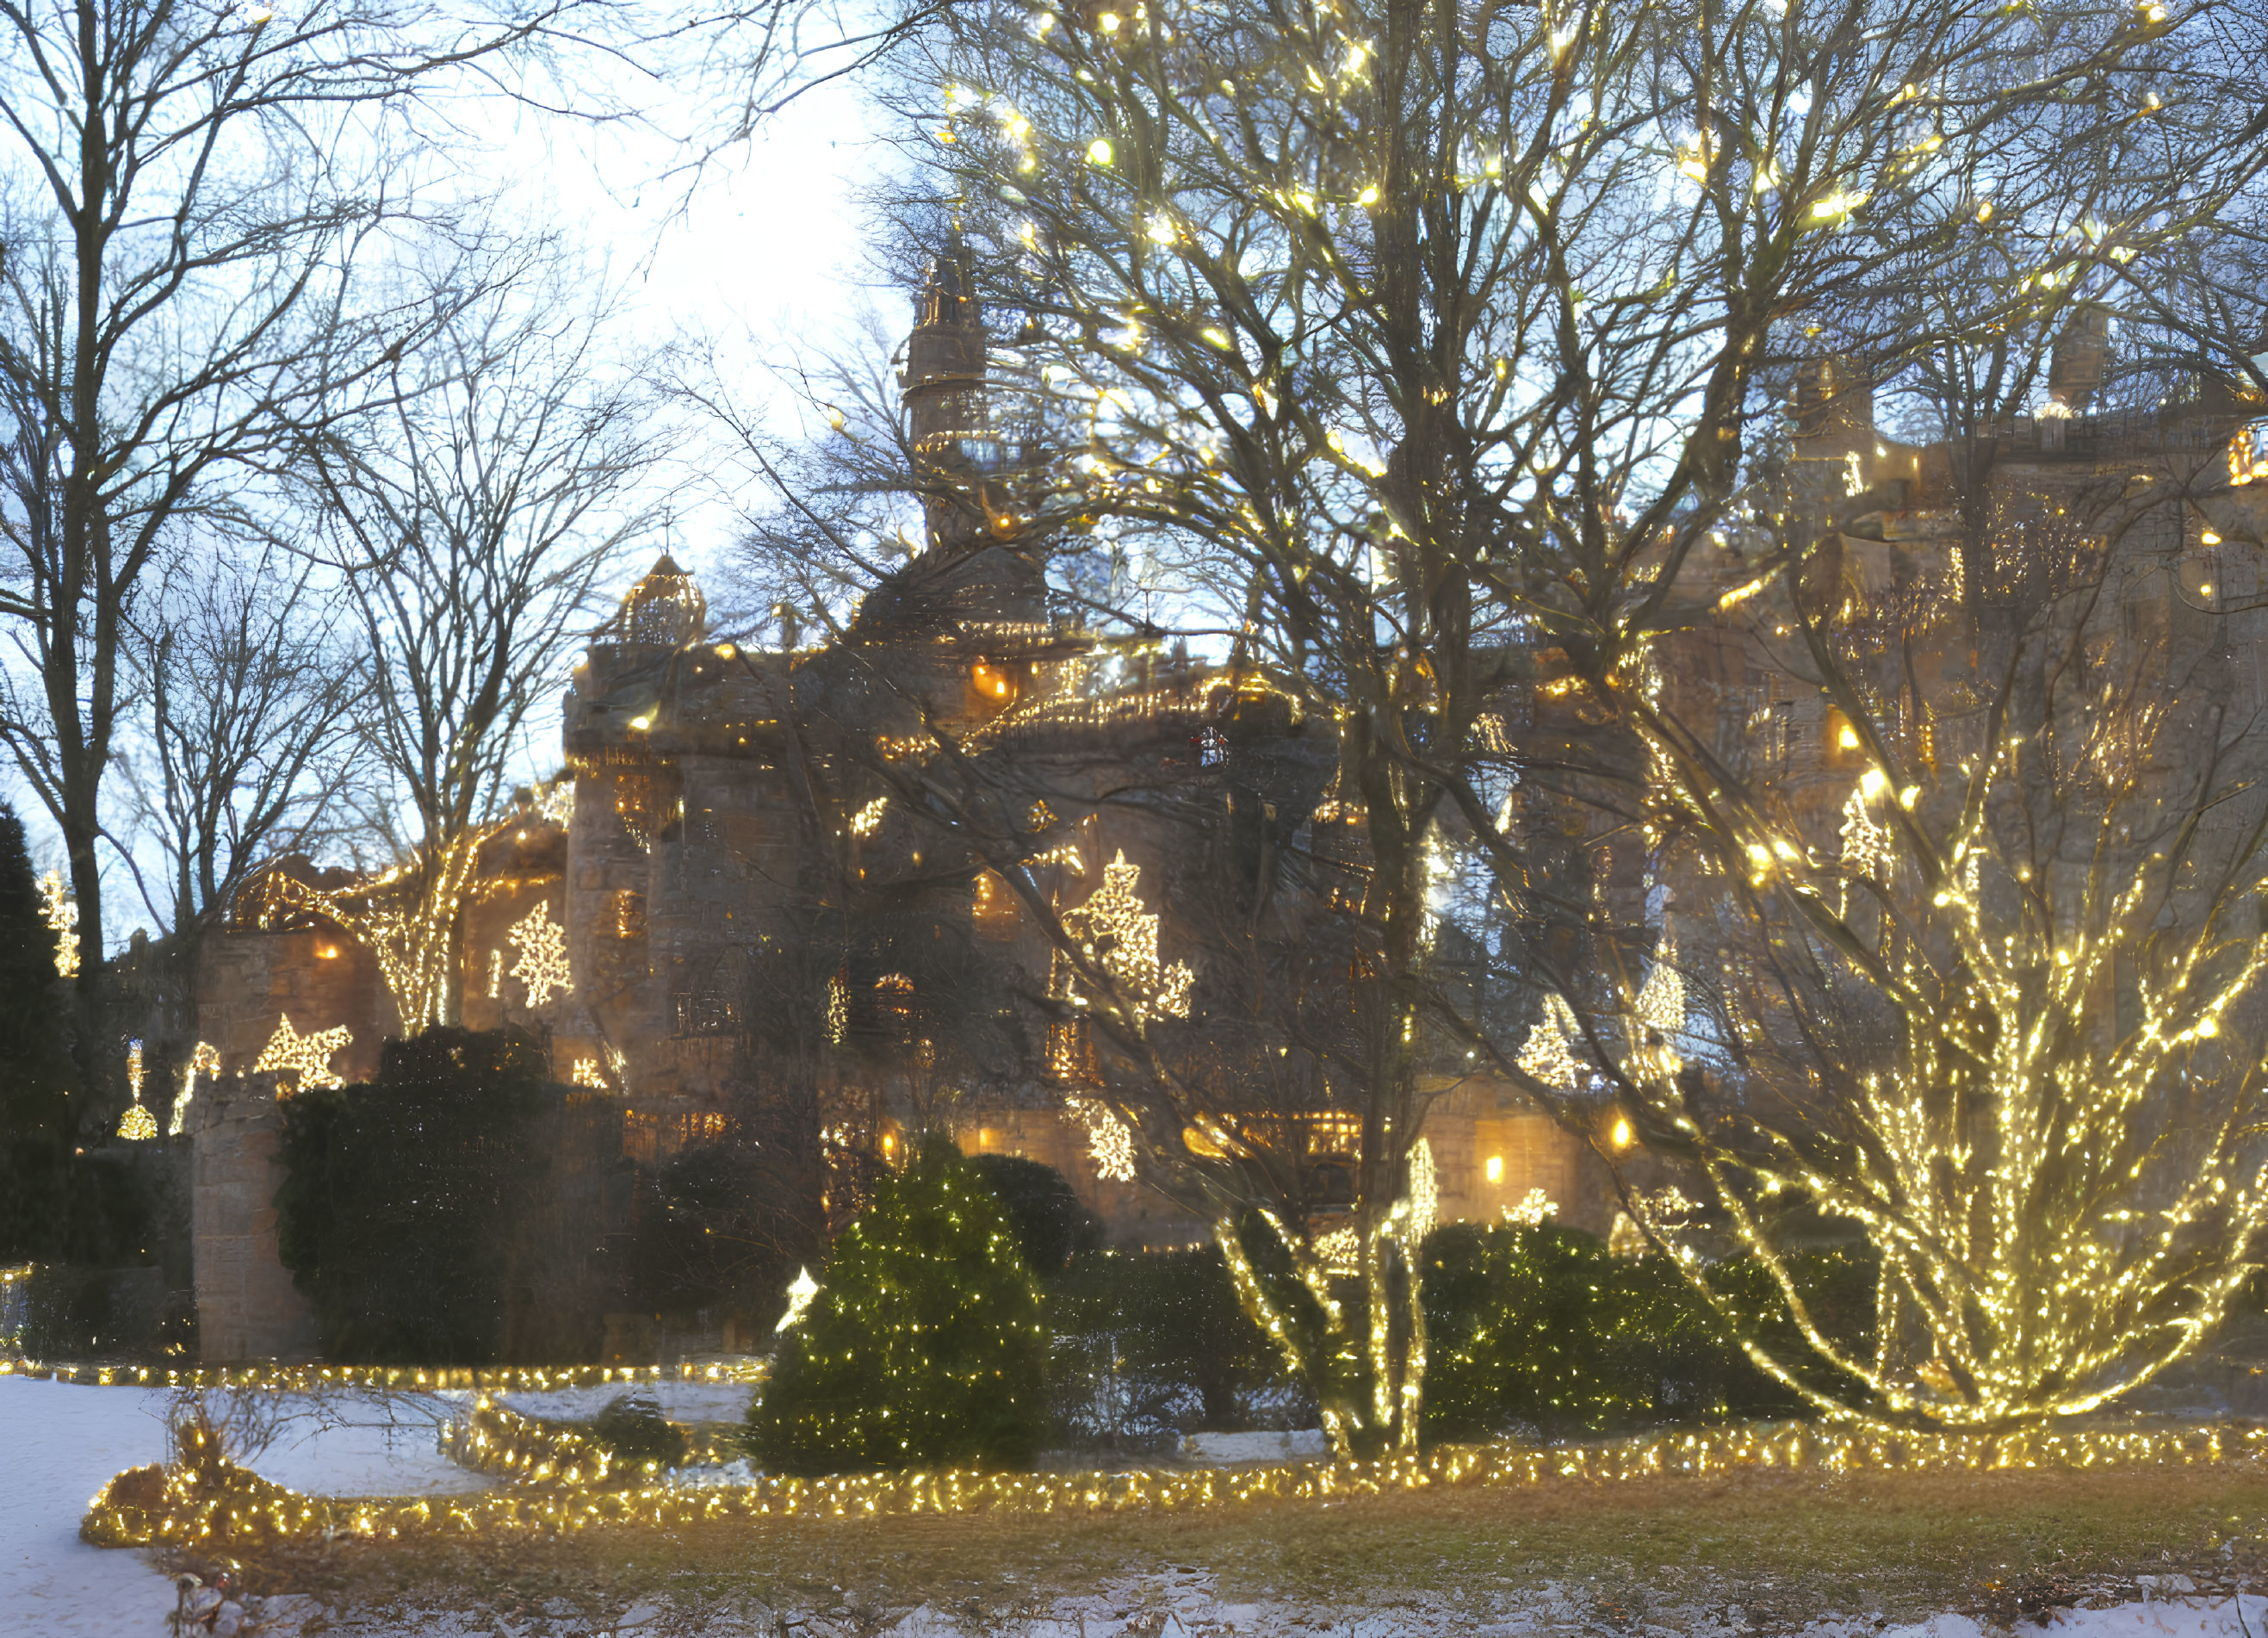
x: 764, y: 255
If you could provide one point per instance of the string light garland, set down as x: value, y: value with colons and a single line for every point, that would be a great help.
x: 307, y: 1058
x: 838, y: 1009
x: 137, y: 1125
x: 387, y: 1378
x: 60, y: 911
x: 407, y: 917
x: 2044, y: 1249
x: 205, y: 1502
x: 542, y: 964
x: 205, y: 1060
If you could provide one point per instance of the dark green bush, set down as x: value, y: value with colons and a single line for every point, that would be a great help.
x: 1151, y: 1345
x: 634, y: 1430
x: 1538, y: 1331
x: 924, y: 1346
x: 441, y: 1213
x: 1052, y: 1224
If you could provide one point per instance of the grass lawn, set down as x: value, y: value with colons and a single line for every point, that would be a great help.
x: 1784, y: 1548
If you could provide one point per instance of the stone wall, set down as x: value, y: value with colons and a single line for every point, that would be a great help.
x: 247, y: 982
x: 248, y: 1308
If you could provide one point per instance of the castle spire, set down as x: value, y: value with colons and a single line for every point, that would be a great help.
x: 944, y: 380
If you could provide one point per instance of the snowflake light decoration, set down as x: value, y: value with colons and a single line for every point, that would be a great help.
x: 306, y: 1057
x: 543, y: 965
x: 1108, y: 1142
x: 1535, y: 1208
x: 555, y: 803
x: 1547, y: 1055
x: 1119, y: 935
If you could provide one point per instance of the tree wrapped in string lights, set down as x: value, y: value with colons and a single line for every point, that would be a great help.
x: 924, y: 1346
x: 2001, y: 1010
x: 1377, y: 347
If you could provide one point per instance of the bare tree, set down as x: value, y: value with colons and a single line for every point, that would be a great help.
x: 470, y: 518
x: 197, y: 187
x: 250, y: 691
x: 1425, y: 348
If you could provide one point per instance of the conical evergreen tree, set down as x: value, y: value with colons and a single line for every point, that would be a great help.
x: 923, y: 1348
x: 36, y: 1119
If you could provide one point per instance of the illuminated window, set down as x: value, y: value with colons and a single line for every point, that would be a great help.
x: 1496, y: 1169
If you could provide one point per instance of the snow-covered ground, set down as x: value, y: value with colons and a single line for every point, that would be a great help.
x: 1182, y: 1606
x: 680, y: 1401
x: 59, y: 1445
x: 364, y: 1445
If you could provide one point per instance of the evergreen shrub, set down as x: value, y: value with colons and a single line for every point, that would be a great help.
x: 1148, y: 1345
x: 925, y: 1346
x: 1052, y: 1224
x: 442, y: 1214
x: 1538, y: 1331
x: 633, y: 1428
x: 64, y: 1196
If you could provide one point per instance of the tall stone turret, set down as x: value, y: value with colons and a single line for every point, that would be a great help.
x: 944, y: 391
x: 2080, y: 360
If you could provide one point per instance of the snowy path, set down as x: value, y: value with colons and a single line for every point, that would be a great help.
x: 58, y: 1446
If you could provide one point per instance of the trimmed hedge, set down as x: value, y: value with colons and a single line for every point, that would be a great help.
x: 444, y: 1213
x: 1537, y: 1330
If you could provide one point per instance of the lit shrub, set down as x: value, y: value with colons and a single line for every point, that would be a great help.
x: 923, y: 1348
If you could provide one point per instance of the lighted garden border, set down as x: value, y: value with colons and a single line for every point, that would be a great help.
x: 397, y: 1378
x: 210, y: 1504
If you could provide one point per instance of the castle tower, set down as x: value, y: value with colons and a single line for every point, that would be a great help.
x: 943, y: 388
x: 2079, y: 361
x: 665, y: 606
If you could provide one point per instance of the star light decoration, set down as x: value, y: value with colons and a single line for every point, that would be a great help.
x: 137, y: 1125
x: 542, y: 964
x: 799, y: 1293
x: 204, y: 1061
x: 306, y: 1057
x: 1119, y: 935
x: 61, y: 911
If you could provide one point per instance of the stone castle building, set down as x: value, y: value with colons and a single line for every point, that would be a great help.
x: 721, y: 805
x: 724, y: 885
